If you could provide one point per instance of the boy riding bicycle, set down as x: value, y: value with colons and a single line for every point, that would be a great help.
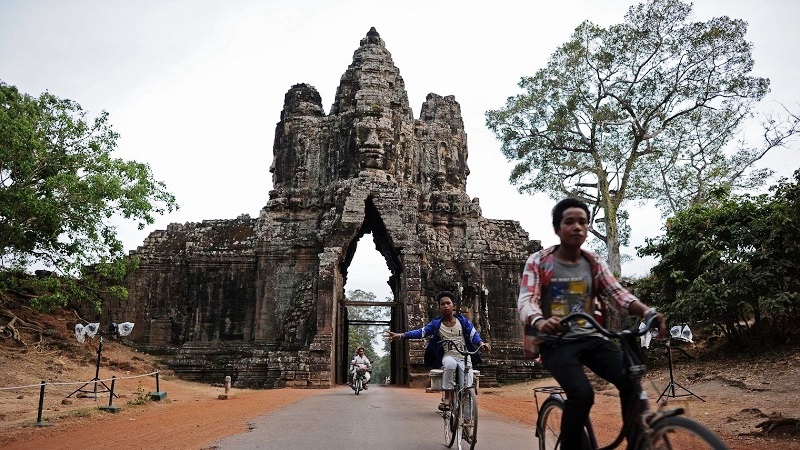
x: 450, y: 325
x: 561, y: 280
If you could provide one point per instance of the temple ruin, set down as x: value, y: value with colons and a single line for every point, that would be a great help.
x: 262, y: 299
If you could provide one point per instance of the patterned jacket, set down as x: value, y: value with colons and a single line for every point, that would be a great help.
x: 537, y: 274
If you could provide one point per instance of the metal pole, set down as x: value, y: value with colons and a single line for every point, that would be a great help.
x: 111, y: 397
x: 41, y: 402
x: 671, y: 379
x: 97, y: 364
x: 97, y: 367
x: 157, y: 389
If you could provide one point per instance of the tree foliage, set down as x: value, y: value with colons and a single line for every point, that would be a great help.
x: 60, y: 185
x: 60, y: 188
x: 642, y: 110
x: 732, y: 263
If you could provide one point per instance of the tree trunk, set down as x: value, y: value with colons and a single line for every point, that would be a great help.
x: 612, y: 243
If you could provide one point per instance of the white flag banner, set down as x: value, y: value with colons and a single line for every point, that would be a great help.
x: 686, y: 334
x: 647, y: 337
x: 79, y: 334
x: 681, y: 333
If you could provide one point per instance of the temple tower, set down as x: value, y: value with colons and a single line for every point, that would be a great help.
x: 263, y: 299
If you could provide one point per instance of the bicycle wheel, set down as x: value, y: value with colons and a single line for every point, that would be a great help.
x: 357, y: 385
x: 469, y: 420
x: 450, y: 426
x: 548, y: 425
x: 683, y: 433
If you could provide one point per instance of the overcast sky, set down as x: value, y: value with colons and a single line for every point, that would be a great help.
x: 195, y: 88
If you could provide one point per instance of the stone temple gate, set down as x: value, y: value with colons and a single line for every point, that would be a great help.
x: 262, y: 299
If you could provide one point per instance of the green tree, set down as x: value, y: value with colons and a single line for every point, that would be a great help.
x: 60, y: 187
x: 367, y: 335
x: 642, y: 110
x: 732, y: 263
x: 380, y: 368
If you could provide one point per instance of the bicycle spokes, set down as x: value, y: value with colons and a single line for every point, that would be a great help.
x: 468, y: 419
x: 450, y: 425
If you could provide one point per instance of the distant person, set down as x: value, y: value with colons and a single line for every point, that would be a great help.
x: 565, y: 279
x: 450, y: 325
x: 360, y: 361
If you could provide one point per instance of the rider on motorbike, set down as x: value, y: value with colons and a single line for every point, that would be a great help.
x: 360, y: 362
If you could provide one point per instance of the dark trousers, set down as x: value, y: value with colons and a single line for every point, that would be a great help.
x: 565, y: 361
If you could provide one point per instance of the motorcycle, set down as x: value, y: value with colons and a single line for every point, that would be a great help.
x: 358, y: 380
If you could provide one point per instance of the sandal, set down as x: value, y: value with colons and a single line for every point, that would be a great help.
x: 444, y: 406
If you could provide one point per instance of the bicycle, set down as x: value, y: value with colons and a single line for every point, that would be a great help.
x: 660, y: 429
x: 358, y: 379
x: 461, y: 420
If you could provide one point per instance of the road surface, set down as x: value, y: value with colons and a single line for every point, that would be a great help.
x: 381, y: 418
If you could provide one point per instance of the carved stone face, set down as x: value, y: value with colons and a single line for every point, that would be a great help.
x: 373, y: 139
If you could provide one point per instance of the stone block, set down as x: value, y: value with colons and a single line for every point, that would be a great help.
x: 112, y: 409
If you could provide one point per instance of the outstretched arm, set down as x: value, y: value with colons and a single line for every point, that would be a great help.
x: 610, y: 287
x: 419, y: 333
x: 395, y: 336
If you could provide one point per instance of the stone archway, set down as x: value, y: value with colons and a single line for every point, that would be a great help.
x: 346, y: 322
x: 260, y: 299
x: 373, y: 225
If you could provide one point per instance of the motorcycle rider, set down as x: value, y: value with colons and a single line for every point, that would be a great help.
x: 360, y: 361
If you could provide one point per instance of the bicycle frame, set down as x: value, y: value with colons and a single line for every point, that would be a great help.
x: 467, y: 364
x: 461, y: 376
x: 662, y: 428
x: 460, y: 391
x: 635, y: 370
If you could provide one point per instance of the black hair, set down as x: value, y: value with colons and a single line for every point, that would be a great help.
x: 563, y: 205
x: 447, y: 294
x: 360, y: 348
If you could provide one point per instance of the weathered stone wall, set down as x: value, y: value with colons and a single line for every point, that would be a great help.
x: 261, y: 299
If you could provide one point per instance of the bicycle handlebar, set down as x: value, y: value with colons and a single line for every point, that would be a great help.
x: 460, y: 348
x: 650, y: 322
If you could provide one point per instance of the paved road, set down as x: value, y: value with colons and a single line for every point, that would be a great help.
x: 380, y: 418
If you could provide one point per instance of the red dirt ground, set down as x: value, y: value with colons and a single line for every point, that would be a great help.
x: 739, y: 395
